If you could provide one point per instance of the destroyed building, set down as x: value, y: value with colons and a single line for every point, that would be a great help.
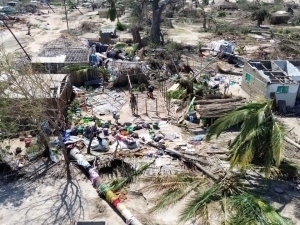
x: 54, y: 90
x: 278, y: 79
x: 55, y: 55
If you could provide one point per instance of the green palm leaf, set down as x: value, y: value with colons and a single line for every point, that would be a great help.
x: 261, y: 139
x: 251, y: 210
x: 174, y: 189
x: 198, y: 202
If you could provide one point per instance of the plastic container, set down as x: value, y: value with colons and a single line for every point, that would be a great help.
x: 105, y: 131
x: 106, y: 125
x: 130, y: 129
x: 98, y: 122
x: 80, y: 130
x: 27, y: 141
x: 155, y: 125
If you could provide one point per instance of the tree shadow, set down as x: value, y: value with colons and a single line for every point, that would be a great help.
x: 38, y: 202
x: 14, y: 190
x: 64, y: 208
x: 279, y: 193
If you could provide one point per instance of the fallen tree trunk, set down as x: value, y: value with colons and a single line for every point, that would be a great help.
x: 178, y: 154
x: 205, y: 171
x: 290, y: 141
x: 103, y: 189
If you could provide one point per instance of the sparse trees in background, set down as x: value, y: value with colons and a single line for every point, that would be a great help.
x: 260, y: 16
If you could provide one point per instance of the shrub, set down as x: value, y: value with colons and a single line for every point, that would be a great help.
x: 221, y: 14
x: 121, y: 26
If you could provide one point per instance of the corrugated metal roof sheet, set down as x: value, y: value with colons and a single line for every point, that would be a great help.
x: 53, y: 59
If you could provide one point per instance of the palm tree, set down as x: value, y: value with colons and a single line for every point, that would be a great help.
x: 238, y: 204
x: 261, y: 140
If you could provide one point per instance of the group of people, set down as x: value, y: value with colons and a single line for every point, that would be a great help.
x: 133, y: 101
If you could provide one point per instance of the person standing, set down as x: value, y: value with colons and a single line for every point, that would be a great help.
x: 150, y: 91
x: 133, y: 103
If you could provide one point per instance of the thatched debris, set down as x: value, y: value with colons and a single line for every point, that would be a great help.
x: 218, y: 107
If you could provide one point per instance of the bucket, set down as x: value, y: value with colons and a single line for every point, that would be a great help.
x: 98, y: 122
x: 130, y: 129
x: 106, y: 125
x: 105, y: 131
x: 155, y: 125
x: 80, y: 130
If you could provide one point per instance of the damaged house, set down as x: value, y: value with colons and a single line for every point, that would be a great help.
x: 60, y: 53
x: 123, y: 73
x: 278, y: 79
x: 53, y: 90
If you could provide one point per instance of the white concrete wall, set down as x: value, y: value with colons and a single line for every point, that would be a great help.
x: 289, y: 98
x: 287, y: 67
x: 292, y: 70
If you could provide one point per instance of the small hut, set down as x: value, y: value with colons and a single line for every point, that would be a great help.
x: 123, y: 73
x: 280, y: 17
x: 225, y: 5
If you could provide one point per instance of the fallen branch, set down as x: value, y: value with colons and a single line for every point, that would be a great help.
x: 217, y: 152
x: 206, y: 171
x: 290, y: 141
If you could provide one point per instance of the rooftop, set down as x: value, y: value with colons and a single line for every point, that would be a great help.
x: 273, y: 71
x: 63, y: 51
x: 36, y: 86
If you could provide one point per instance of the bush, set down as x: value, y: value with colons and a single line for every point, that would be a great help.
x: 221, y: 14
x: 121, y: 26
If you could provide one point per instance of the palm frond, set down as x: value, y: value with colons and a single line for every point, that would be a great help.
x: 277, y: 142
x: 233, y: 118
x: 174, y: 182
x: 169, y: 198
x: 249, y: 209
x: 118, y: 184
x: 198, y: 202
x: 173, y: 188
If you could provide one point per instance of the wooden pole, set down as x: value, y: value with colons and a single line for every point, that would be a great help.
x: 146, y: 106
x: 50, y: 7
x: 129, y: 81
x: 66, y: 12
x: 156, y: 106
x: 137, y: 104
x: 16, y: 39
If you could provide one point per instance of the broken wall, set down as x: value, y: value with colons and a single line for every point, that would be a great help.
x: 253, y: 83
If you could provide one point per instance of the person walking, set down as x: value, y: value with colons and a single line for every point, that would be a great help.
x: 133, y: 103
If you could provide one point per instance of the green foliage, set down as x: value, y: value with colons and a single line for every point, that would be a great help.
x: 129, y: 50
x: 74, y: 105
x: 261, y: 140
x: 179, y: 93
x: 33, y: 148
x: 121, y: 26
x: 221, y: 14
x: 230, y: 193
x: 252, y: 210
x: 117, y: 185
x: 260, y: 15
x: 112, y: 11
x: 82, y: 69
